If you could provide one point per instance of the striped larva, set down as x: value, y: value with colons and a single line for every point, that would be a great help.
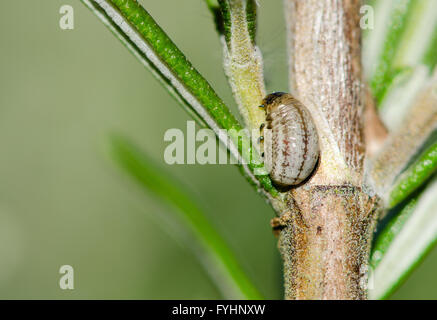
x: 289, y: 140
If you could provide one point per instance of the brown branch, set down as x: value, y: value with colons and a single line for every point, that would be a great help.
x: 325, y: 241
x: 325, y: 74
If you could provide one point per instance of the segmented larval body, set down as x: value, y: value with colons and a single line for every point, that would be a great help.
x: 290, y: 141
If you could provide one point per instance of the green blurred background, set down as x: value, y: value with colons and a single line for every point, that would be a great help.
x: 62, y: 199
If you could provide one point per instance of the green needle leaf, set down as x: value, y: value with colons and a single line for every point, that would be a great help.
x: 162, y: 46
x: 403, y: 243
x: 384, y: 73
x: 217, y: 258
x: 415, y: 176
x: 132, y: 47
x: 251, y: 8
x: 214, y: 7
x: 389, y: 232
x: 404, y: 38
x: 223, y: 8
x: 430, y: 58
x: 141, y: 34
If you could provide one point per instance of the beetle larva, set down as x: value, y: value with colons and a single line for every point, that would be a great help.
x: 289, y: 140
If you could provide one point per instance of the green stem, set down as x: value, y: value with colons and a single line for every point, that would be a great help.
x: 243, y: 62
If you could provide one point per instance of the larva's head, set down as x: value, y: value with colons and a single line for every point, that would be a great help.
x: 272, y: 100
